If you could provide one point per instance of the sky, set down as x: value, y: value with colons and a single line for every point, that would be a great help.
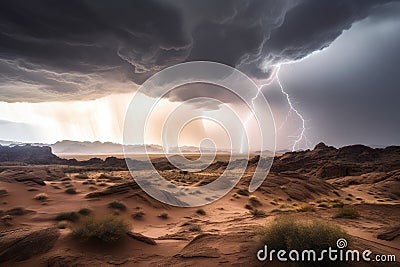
x: 70, y: 68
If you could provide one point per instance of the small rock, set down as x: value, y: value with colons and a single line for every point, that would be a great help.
x: 390, y: 233
x: 142, y: 238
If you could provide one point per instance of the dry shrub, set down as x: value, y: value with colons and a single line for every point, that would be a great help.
x: 347, y: 212
x: 107, y: 230
x: 290, y: 233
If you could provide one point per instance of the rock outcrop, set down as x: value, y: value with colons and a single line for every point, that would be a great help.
x: 22, y: 244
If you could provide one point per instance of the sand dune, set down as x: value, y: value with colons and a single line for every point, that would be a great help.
x: 222, y: 233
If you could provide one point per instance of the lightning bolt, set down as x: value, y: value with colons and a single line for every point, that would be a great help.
x: 302, y: 134
x: 246, y: 121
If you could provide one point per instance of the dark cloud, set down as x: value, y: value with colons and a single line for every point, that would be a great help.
x: 86, y: 49
x: 349, y: 93
x: 77, y: 49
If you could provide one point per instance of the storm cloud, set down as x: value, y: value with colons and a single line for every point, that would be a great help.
x: 66, y: 50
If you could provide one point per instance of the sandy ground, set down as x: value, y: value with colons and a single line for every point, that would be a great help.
x: 227, y: 232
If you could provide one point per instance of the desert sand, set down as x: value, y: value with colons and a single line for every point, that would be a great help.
x: 308, y: 184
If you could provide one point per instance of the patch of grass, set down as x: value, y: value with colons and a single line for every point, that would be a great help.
x: 347, y: 212
x: 201, y: 212
x: 41, y: 197
x: 117, y: 205
x: 290, y: 233
x: 195, y: 228
x: 85, y: 211
x: 138, y: 215
x: 81, y: 176
x: 71, y: 216
x: 305, y: 208
x: 254, y: 200
x: 243, y: 192
x: 258, y: 213
x: 337, y: 205
x: 164, y: 215
x: 16, y: 211
x: 71, y: 191
x: 248, y: 206
x: 107, y: 230
x: 236, y: 195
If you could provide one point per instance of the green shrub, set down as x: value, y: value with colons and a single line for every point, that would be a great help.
x: 106, y: 230
x: 85, y: 211
x: 255, y: 201
x: 347, y: 212
x: 201, y: 212
x: 16, y: 211
x: 305, y: 208
x: 236, y: 195
x: 248, y: 206
x: 70, y: 191
x: 117, y: 205
x: 243, y: 192
x: 338, y: 205
x: 290, y: 233
x: 163, y: 215
x: 195, y: 228
x: 138, y: 214
x: 41, y: 197
x: 71, y: 216
x: 258, y: 213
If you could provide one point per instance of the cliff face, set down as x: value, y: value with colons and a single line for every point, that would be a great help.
x: 28, y: 154
x: 329, y: 162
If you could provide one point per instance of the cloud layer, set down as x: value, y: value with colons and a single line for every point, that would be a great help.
x: 66, y: 50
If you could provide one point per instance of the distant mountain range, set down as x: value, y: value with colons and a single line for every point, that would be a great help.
x: 68, y: 147
x: 98, y: 148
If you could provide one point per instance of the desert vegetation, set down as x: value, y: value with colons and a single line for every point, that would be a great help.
x: 107, y: 230
x: 347, y: 212
x: 289, y: 233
